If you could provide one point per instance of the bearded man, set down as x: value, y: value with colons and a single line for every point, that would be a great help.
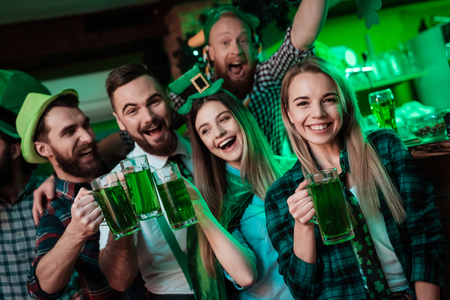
x: 142, y: 108
x: 233, y: 46
x: 54, y: 129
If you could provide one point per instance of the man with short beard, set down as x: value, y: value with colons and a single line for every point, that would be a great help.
x: 142, y: 108
x: 54, y: 129
x: 17, y: 183
x: 232, y: 46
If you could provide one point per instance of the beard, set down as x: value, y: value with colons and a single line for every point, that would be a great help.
x: 71, y: 166
x: 5, y: 166
x: 163, y: 146
x: 239, y: 88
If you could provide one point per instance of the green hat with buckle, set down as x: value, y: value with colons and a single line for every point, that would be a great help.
x: 14, y: 87
x: 193, y: 85
x: 28, y: 118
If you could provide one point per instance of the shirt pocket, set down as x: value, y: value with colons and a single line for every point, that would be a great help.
x: 253, y: 223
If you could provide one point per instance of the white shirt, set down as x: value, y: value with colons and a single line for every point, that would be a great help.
x: 159, y: 267
x: 392, y: 268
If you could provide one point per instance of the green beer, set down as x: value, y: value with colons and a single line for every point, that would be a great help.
x: 382, y: 105
x: 331, y: 209
x: 177, y: 203
x: 384, y: 113
x: 116, y: 210
x: 143, y: 195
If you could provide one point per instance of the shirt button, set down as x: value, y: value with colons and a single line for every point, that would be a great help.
x: 20, y: 234
x: 23, y: 257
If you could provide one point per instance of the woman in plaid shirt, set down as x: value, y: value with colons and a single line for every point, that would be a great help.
x: 321, y: 114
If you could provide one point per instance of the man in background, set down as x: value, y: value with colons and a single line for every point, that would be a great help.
x: 17, y: 183
x: 232, y: 46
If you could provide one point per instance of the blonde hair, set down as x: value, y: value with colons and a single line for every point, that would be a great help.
x: 258, y: 170
x: 366, y: 167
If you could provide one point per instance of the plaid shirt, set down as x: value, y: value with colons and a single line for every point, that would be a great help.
x: 265, y: 95
x: 17, y: 243
x: 52, y: 226
x: 418, y: 244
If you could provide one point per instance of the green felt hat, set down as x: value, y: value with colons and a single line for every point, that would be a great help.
x: 193, y: 85
x: 215, y: 14
x: 28, y: 118
x: 14, y: 87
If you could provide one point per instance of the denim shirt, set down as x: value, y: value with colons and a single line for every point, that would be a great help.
x: 253, y: 236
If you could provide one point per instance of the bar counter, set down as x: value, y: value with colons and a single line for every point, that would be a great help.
x: 433, y: 159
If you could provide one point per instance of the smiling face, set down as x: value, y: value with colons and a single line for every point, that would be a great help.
x: 315, y: 109
x: 141, y: 108
x: 233, y: 54
x: 220, y: 132
x: 71, y: 145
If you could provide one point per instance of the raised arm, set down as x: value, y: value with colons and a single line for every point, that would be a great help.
x: 308, y: 23
x: 118, y: 261
x: 56, y: 267
x: 232, y: 256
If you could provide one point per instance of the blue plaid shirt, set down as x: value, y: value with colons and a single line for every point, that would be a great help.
x: 417, y: 243
x: 52, y: 226
x: 17, y: 243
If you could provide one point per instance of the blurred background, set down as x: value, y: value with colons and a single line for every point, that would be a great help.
x: 75, y: 43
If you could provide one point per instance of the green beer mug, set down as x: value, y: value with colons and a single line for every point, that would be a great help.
x: 382, y: 105
x: 115, y: 205
x: 174, y: 197
x: 141, y: 187
x: 332, y: 215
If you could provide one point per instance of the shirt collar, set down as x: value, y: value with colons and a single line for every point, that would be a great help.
x: 157, y: 162
x: 68, y: 190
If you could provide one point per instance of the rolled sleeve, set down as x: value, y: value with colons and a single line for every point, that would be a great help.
x: 283, y: 59
x: 48, y: 234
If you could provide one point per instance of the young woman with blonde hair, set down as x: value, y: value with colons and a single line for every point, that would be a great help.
x: 399, y: 250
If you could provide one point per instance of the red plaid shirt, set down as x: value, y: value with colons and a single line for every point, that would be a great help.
x: 52, y: 226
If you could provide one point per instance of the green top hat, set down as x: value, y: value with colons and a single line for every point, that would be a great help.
x: 28, y: 118
x: 14, y: 87
x: 193, y: 85
x: 215, y: 14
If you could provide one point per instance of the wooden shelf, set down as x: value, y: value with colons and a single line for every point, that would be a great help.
x: 389, y: 81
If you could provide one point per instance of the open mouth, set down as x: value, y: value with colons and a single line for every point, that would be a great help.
x: 228, y: 143
x: 153, y: 130
x: 236, y: 68
x: 319, y: 127
x: 85, y: 153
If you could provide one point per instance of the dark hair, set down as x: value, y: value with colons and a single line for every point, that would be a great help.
x: 125, y: 74
x: 27, y: 168
x: 41, y: 132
